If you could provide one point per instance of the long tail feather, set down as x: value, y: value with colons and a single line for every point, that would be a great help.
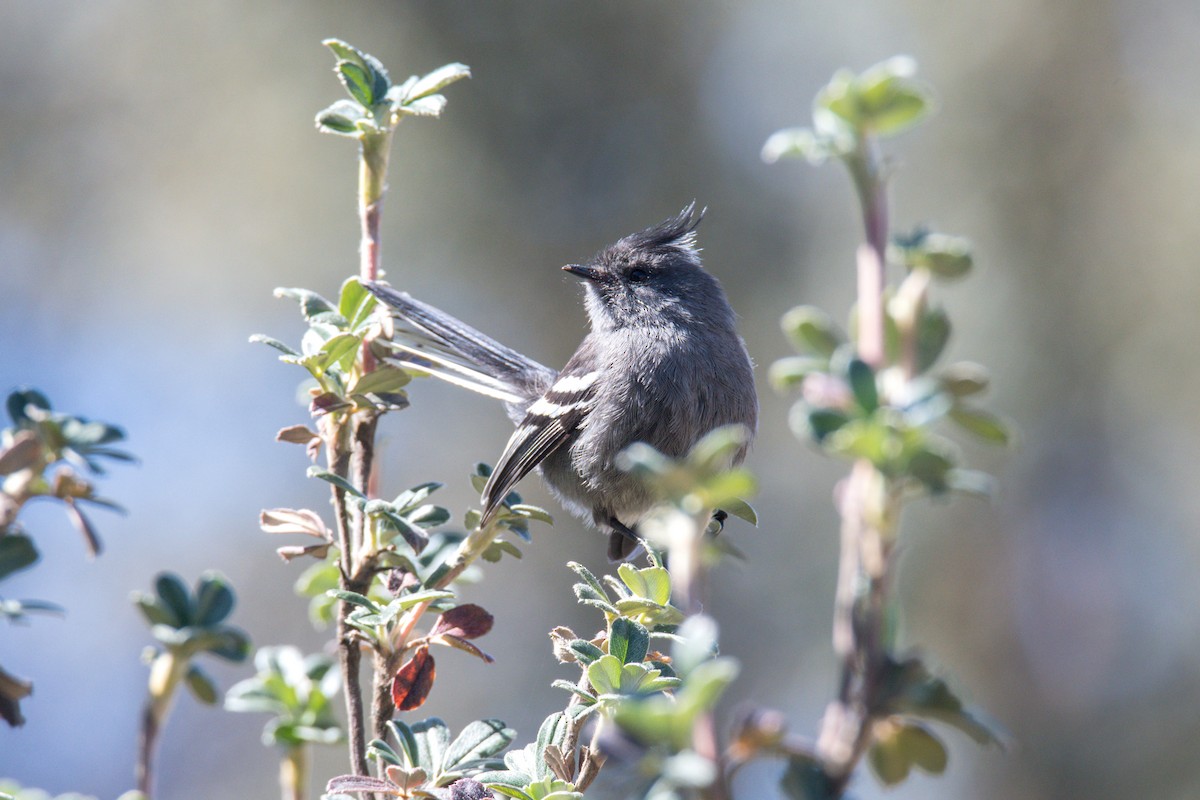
x: 431, y: 340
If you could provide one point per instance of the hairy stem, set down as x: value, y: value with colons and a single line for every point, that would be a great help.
x: 349, y: 654
x: 293, y: 773
x: 166, y: 672
x: 868, y: 511
x: 382, y: 707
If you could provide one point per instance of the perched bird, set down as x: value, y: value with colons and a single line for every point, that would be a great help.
x: 663, y: 364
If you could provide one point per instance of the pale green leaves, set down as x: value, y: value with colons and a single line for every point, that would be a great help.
x: 704, y: 479
x: 376, y: 106
x: 296, y: 690
x: 884, y: 100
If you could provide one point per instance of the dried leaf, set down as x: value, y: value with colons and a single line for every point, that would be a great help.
x: 296, y: 434
x: 288, y: 552
x: 23, y: 452
x: 294, y: 520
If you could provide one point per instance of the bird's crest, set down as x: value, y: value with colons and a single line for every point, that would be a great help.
x: 678, y: 231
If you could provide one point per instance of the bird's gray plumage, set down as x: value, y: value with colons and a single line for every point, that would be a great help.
x: 663, y: 364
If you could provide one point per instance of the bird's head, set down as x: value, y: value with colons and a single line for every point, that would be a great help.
x: 651, y: 278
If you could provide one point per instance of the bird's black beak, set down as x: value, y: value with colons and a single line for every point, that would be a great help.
x: 591, y: 273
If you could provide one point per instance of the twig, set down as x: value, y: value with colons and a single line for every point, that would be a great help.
x: 868, y: 511
x: 349, y: 653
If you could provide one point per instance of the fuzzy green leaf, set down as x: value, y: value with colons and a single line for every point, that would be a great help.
x: 174, y: 594
x: 628, y: 641
x: 17, y: 552
x: 479, y: 739
x: 811, y: 330
x: 214, y: 599
x: 983, y: 424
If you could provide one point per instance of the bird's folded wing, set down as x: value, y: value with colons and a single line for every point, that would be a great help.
x: 553, y: 421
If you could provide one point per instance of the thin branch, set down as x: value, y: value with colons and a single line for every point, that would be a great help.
x: 349, y: 654
x: 868, y: 511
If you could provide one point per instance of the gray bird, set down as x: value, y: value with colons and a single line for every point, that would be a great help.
x: 663, y: 364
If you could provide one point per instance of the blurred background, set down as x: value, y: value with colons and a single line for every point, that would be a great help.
x: 161, y: 175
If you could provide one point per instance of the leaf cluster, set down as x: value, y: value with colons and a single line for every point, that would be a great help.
x: 538, y: 770
x: 189, y: 623
x: 884, y: 100
x: 329, y: 350
x: 425, y: 758
x: 45, y: 454
x: 852, y: 410
x: 376, y: 105
x: 296, y: 690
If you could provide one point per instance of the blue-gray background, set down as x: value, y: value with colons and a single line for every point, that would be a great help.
x: 160, y: 175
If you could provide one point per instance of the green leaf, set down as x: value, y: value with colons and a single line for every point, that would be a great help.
x: 933, y: 332
x: 501, y: 785
x: 201, y: 685
x: 532, y: 512
x: 230, y: 644
x: 338, y: 348
x: 861, y: 379
x: 604, y: 674
x: 174, y: 595
x: 931, y: 469
x: 588, y: 596
x: 336, y: 480
x: 358, y: 82
x: 887, y: 98
x: 479, y: 739
x: 947, y: 257
x: 214, y: 599
x: 432, y: 737
x: 354, y: 598
x: 346, y: 51
x: 983, y: 424
x: 811, y: 330
x: 16, y: 553
x: 259, y: 338
x: 552, y: 731
x: 789, y: 372
x: 587, y: 576
x: 585, y: 651
x: 406, y: 740
x: 652, y: 583
x: 798, y: 143
x: 311, y: 303
x: 815, y: 423
x: 628, y: 641
x: 964, y: 379
x: 741, y: 509
x: 437, y: 80
x: 706, y: 682
x: 894, y: 753
x: 355, y: 303
x: 343, y: 117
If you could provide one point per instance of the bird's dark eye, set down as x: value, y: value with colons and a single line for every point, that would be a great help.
x: 639, y: 275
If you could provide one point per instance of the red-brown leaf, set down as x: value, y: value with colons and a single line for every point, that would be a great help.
x: 413, y: 681
x: 459, y: 643
x: 466, y: 622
